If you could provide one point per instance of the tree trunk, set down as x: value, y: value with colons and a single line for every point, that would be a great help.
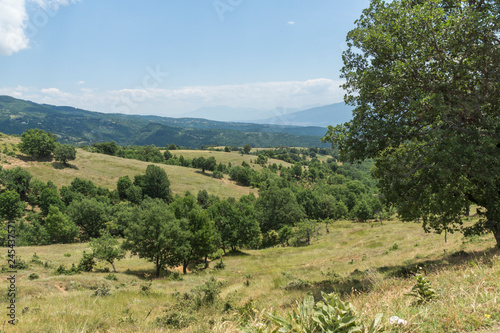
x: 158, y: 267
x: 496, y: 232
x: 184, y: 267
x: 113, y: 265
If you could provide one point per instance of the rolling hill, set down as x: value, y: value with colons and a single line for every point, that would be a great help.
x: 78, y: 126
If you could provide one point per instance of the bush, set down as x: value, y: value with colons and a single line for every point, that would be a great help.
x: 33, y: 276
x: 111, y: 277
x: 176, y: 320
x: 87, y: 262
x: 102, y: 291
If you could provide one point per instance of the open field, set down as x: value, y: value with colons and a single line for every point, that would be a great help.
x: 104, y: 170
x: 234, y: 157
x: 357, y: 260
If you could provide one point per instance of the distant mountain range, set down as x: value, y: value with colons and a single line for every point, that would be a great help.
x: 79, y: 126
x: 321, y: 116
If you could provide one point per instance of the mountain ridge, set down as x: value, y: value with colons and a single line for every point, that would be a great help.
x: 78, y: 126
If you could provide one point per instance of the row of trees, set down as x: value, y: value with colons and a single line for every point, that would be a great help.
x: 143, y: 210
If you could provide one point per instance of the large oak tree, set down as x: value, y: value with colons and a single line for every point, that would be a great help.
x: 424, y: 77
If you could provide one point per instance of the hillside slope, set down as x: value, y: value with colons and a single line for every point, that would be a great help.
x: 104, y: 170
x: 78, y: 126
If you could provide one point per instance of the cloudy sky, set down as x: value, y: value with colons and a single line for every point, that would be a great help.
x: 169, y: 57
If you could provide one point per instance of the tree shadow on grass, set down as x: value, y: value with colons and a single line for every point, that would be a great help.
x: 60, y: 166
x: 361, y: 281
x: 356, y: 281
x: 451, y: 260
x: 26, y: 158
x: 235, y: 253
x: 146, y: 274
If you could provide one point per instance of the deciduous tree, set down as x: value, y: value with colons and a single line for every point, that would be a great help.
x: 424, y: 77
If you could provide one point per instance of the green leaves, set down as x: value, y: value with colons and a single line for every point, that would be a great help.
x: 424, y: 77
x: 330, y: 315
x: 423, y: 290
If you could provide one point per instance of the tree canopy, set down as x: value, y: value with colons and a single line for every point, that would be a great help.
x: 64, y: 153
x: 424, y: 77
x: 37, y: 143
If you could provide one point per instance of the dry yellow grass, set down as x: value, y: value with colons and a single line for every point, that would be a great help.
x: 469, y: 287
x: 104, y: 170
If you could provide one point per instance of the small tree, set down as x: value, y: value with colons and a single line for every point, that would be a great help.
x: 37, y: 143
x: 106, y: 248
x: 247, y: 148
x: 64, y: 153
x: 156, y: 235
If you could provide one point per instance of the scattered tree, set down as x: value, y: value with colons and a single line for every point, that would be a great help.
x: 106, y: 248
x: 64, y: 153
x: 37, y: 143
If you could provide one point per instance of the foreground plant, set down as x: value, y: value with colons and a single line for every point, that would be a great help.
x: 329, y: 315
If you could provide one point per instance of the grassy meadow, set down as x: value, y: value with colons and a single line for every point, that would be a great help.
x: 368, y: 264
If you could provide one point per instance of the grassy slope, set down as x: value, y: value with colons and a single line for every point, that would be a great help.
x: 469, y: 287
x: 105, y: 170
x: 234, y: 157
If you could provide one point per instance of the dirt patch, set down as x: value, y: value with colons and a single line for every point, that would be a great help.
x: 61, y: 289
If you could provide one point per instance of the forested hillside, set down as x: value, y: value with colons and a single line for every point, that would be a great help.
x: 77, y: 126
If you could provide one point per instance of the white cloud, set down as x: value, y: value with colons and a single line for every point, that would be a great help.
x: 80, y: 82
x: 291, y: 22
x: 168, y: 102
x: 14, y: 22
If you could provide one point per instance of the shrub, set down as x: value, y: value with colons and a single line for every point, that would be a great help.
x: 111, y: 277
x: 87, y: 262
x: 176, y: 276
x: 33, y: 276
x: 102, y: 291
x: 175, y: 320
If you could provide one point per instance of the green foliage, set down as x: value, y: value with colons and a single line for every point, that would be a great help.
x: 278, y: 207
x: 87, y: 262
x: 102, y: 291
x: 11, y: 205
x: 154, y: 183
x: 33, y: 276
x: 37, y: 143
x: 122, y: 185
x: 16, y: 179
x: 176, y: 320
x: 106, y: 248
x: 156, y: 235
x: 423, y: 290
x: 50, y: 198
x: 247, y: 148
x: 60, y: 227
x: 209, y: 291
x: 90, y: 215
x: 424, y: 78
x: 329, y: 315
x: 64, y: 153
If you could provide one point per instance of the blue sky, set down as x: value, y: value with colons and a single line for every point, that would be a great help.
x: 170, y: 57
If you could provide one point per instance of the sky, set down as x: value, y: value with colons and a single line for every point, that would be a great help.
x: 169, y: 58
